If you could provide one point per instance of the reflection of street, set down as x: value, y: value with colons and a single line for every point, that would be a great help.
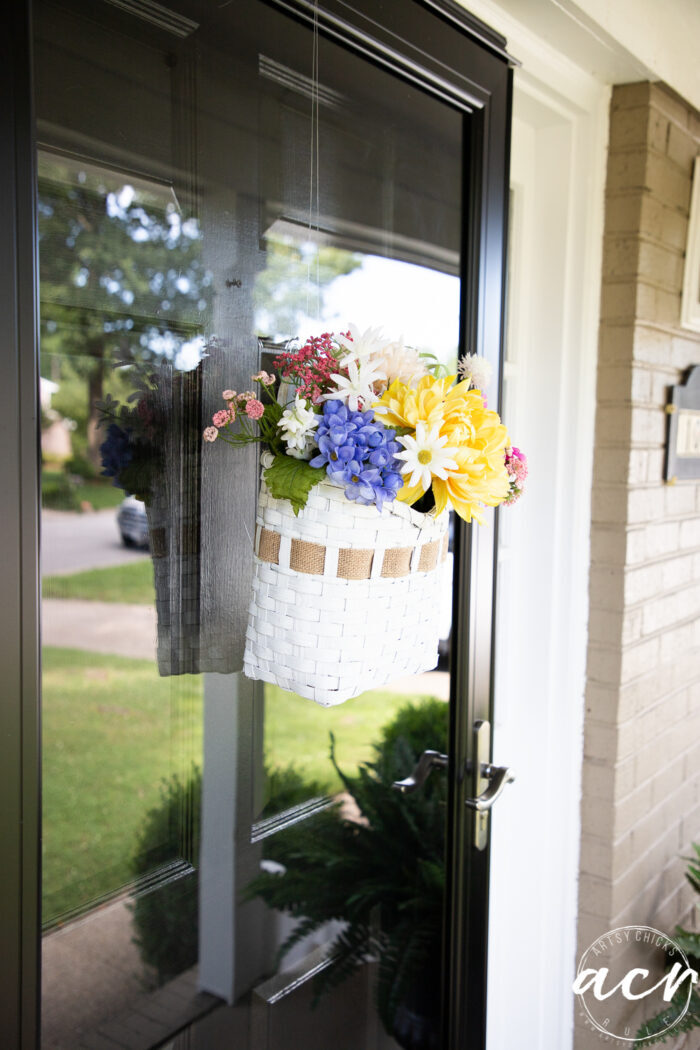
x: 100, y: 627
x: 73, y: 542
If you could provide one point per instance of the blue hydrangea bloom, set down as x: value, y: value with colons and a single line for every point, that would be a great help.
x: 116, y: 452
x: 358, y: 453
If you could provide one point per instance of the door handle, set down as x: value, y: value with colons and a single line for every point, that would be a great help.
x: 498, y: 777
x: 488, y: 781
x: 427, y: 762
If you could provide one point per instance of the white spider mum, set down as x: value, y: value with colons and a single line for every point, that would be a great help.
x: 361, y: 345
x: 476, y: 369
x: 426, y: 456
x: 297, y: 424
x: 357, y: 388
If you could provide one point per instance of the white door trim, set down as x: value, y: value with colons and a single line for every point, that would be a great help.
x: 560, y: 126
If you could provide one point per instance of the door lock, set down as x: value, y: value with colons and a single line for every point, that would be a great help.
x: 488, y: 782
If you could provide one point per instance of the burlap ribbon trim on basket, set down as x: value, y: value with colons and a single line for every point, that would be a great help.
x: 353, y: 563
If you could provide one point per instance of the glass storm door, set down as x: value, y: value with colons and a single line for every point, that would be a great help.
x: 222, y: 858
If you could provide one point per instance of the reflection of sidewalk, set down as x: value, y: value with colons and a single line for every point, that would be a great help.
x: 432, y: 683
x: 90, y: 970
x: 94, y: 988
x: 100, y: 627
x: 130, y: 630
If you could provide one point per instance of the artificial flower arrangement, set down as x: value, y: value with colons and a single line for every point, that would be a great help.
x: 368, y: 443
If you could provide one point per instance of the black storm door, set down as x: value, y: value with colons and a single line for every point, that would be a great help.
x: 210, y: 181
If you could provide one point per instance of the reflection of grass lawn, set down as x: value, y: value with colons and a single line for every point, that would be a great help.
x: 112, y: 730
x: 61, y: 491
x: 101, y: 494
x: 131, y: 583
x: 297, y: 731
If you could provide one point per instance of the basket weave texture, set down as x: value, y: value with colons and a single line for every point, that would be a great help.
x: 345, y: 598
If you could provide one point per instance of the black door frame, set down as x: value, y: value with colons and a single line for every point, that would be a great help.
x: 474, y: 73
x: 19, y: 535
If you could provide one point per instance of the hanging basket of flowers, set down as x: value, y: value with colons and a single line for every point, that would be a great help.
x: 348, y: 574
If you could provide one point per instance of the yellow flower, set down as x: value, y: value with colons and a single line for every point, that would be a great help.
x: 475, y: 434
x: 481, y: 478
x: 405, y: 406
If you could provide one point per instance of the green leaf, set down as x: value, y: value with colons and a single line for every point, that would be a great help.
x: 689, y: 942
x: 268, y: 425
x: 292, y: 479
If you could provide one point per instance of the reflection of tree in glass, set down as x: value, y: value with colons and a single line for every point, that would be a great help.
x: 121, y: 278
x: 292, y: 284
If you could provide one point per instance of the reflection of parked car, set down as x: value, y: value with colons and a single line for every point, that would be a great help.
x: 133, y: 523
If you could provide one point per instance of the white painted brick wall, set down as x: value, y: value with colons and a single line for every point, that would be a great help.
x: 640, y: 805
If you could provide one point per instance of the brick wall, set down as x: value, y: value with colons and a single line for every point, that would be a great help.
x: 641, y: 773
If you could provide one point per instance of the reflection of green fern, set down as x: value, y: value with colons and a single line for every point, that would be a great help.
x: 382, y: 874
x: 286, y: 786
x: 688, y: 941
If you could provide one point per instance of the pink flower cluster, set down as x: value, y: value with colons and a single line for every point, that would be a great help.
x: 246, y: 403
x: 226, y: 415
x: 254, y: 409
x: 311, y: 366
x: 516, y: 465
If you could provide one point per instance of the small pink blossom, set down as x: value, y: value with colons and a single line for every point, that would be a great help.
x: 211, y: 434
x: 310, y: 366
x: 220, y: 419
x: 263, y: 377
x: 516, y: 465
x: 228, y: 395
x: 254, y: 409
x: 247, y: 395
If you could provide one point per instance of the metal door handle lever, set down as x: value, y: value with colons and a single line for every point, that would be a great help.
x: 498, y: 776
x: 428, y: 761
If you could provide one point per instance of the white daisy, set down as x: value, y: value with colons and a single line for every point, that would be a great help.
x: 297, y: 425
x: 477, y: 369
x: 426, y: 456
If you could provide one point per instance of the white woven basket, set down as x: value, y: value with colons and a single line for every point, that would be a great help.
x: 345, y: 598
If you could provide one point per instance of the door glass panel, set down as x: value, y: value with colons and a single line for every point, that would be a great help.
x: 177, y: 253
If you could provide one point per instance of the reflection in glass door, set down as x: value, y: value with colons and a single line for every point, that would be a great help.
x: 208, y: 839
